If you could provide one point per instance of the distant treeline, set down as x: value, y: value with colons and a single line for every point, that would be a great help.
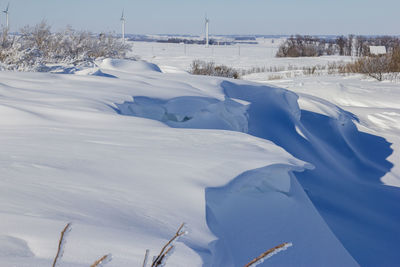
x: 351, y: 45
x: 179, y: 40
x: 203, y: 42
x: 245, y: 38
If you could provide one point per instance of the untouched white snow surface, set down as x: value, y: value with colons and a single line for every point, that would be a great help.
x: 127, y: 182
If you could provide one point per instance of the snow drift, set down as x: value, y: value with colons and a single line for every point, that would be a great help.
x: 124, y: 65
x: 127, y: 182
x: 347, y: 167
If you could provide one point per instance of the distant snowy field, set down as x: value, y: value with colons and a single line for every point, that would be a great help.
x: 130, y: 150
x: 243, y: 56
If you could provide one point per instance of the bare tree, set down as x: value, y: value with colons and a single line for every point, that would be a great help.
x: 341, y: 42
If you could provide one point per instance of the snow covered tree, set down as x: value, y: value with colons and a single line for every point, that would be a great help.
x: 37, y: 46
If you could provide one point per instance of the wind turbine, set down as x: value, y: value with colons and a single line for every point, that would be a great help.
x: 6, y: 12
x: 123, y: 26
x: 207, y: 22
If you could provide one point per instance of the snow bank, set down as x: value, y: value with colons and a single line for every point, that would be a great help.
x: 124, y: 65
x: 239, y: 212
x: 327, y: 138
x: 128, y: 182
x: 125, y: 182
x: 265, y: 207
x: 348, y: 167
x: 94, y: 72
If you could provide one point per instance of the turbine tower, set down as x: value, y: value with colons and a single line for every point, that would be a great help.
x: 6, y: 12
x: 123, y: 26
x: 207, y: 22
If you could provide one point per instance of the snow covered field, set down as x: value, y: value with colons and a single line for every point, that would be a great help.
x: 133, y: 150
x: 178, y: 57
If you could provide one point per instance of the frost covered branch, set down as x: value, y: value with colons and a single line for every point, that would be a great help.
x: 168, y: 248
x: 267, y: 254
x: 61, y: 243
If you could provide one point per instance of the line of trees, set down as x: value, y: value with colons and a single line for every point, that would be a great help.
x: 351, y: 45
x: 37, y: 46
x: 176, y: 40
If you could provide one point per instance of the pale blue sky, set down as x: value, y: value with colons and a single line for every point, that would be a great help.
x: 227, y: 16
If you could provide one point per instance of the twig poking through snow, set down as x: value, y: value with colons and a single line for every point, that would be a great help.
x: 61, y: 243
x: 268, y: 254
x: 168, y: 248
x: 103, y: 260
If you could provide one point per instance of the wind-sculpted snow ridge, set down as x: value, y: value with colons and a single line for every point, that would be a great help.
x: 253, y: 212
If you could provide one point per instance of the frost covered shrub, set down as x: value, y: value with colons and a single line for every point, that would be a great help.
x: 37, y: 46
x: 199, y: 67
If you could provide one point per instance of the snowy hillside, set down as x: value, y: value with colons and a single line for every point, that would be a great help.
x: 127, y: 153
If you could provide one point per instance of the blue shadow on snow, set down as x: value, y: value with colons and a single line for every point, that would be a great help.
x: 345, y: 184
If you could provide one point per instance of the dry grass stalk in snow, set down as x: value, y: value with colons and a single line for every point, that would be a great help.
x: 103, y: 260
x: 267, y: 254
x: 146, y: 257
x: 61, y: 244
x: 168, y: 247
